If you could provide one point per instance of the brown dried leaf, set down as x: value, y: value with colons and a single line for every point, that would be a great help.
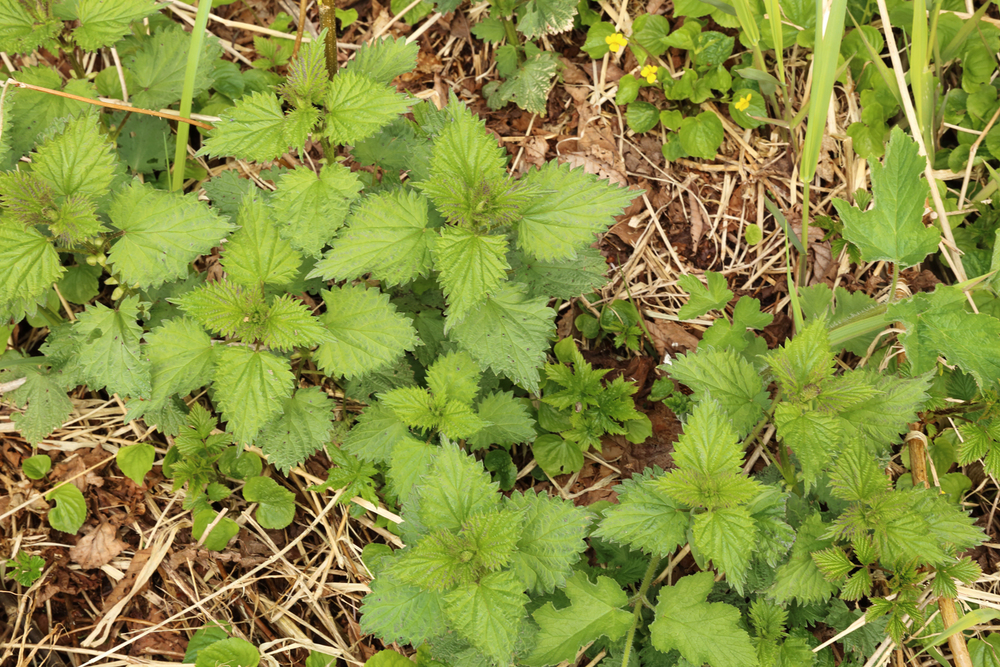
x: 98, y: 548
x: 670, y: 338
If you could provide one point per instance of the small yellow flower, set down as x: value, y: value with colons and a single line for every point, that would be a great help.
x: 649, y: 73
x: 744, y: 103
x: 616, y: 42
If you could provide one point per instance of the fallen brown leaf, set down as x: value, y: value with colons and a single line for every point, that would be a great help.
x: 97, y: 548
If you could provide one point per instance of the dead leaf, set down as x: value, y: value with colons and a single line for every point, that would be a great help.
x: 824, y: 169
x: 670, y: 338
x: 535, y: 149
x: 98, y: 548
x: 697, y: 221
x: 124, y: 587
x: 627, y: 233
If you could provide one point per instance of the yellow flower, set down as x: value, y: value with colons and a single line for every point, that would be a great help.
x: 649, y: 73
x: 744, y: 103
x: 616, y: 42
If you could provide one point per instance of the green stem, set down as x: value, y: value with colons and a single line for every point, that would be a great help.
x: 895, y: 281
x: 804, y: 264
x: 50, y: 316
x: 647, y: 579
x: 508, y: 28
x: 328, y: 16
x: 787, y: 469
x: 187, y: 93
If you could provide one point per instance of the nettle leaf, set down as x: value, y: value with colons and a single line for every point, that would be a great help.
x: 551, y: 539
x: 729, y: 379
x: 800, y: 578
x: 31, y: 264
x: 71, y: 508
x: 726, y: 536
x: 181, y: 358
x: 562, y: 279
x: 226, y: 308
x: 46, y: 406
x: 253, y: 129
x: 702, y: 631
x: 509, y: 422
x: 878, y: 419
x: 34, y: 112
x: 159, y: 67
x: 814, y: 437
x: 461, y: 488
x: 257, y: 254
x: 310, y: 208
x: 508, y: 332
x: 376, y: 433
x: 290, y: 324
x: 358, y: 106
x: 409, y: 462
x: 23, y: 30
x: 488, y: 613
x: 276, y: 503
x: 454, y: 376
x: 646, y: 517
x: 110, y: 354
x: 80, y: 161
x: 803, y: 362
x: 545, y: 17
x: 250, y: 387
x: 307, y: 76
x: 385, y: 60
x: 472, y: 267
x: 388, y: 236
x: 162, y: 233
x: 703, y: 299
x: 367, y: 332
x: 893, y: 231
x: 594, y: 612
x: 104, y: 23
x: 570, y: 209
x: 394, y: 611
x: 302, y: 429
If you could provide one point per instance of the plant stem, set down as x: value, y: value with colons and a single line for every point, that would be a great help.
x: 511, y: 33
x: 895, y: 281
x: 787, y: 471
x: 647, y: 579
x: 804, y: 263
x: 187, y: 93
x: 328, y: 16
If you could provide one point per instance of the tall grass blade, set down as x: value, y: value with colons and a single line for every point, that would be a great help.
x: 829, y: 32
x: 187, y: 92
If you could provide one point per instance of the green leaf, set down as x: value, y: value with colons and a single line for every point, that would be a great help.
x: 488, y: 613
x: 229, y: 652
x: 814, y: 437
x: 30, y: 263
x: 307, y: 76
x: 800, y: 579
x: 510, y: 423
x: 642, y: 116
x: 388, y: 236
x: 529, y: 87
x: 201, y: 639
x: 385, y: 60
x: 71, y: 508
x: 310, y: 208
x: 384, y: 658
x: 472, y: 267
x: 573, y: 208
x: 36, y: 467
x: 349, y: 474
x: 376, y: 432
x: 562, y: 279
x: 397, y: 612
x: 508, y: 332
x: 103, y: 23
x: 646, y: 517
x: 256, y: 253
x: 556, y: 455
x: 594, y: 611
x: 253, y: 129
x: 23, y: 30
x: 80, y: 161
x: 159, y: 67
x: 703, y: 299
x: 726, y: 535
x: 250, y: 387
x: 46, y: 404
x: 368, y: 333
x: 290, y: 324
x: 551, y: 539
x: 879, y: 418
x: 358, y: 106
x: 803, y: 362
x: 893, y: 230
x: 702, y: 631
x: 276, y: 504
x: 650, y: 31
x: 702, y: 135
x: 545, y: 17
x: 111, y: 355
x: 729, y: 379
x: 162, y: 233
x: 227, y: 308
x: 461, y: 489
x: 135, y: 461
x: 454, y: 376
x: 302, y: 428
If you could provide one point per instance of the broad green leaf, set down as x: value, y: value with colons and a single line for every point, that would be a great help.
x: 80, y: 161
x: 159, y: 67
x: 555, y: 455
x: 702, y: 299
x: 376, y: 433
x: 290, y: 324
x: 385, y: 60
x: 257, y: 254
x: 302, y: 428
x: 367, y: 332
x: 702, y: 135
x: 254, y: 129
x: 729, y: 379
x: 800, y: 579
x: 409, y: 462
x: 227, y: 308
x: 358, y: 106
x: 388, y: 236
x: 727, y: 537
x: 250, y: 387
x: 71, y: 508
x: 201, y: 639
x: 985, y: 653
x: 803, y: 362
x: 879, y: 418
x: 230, y: 652
x: 385, y: 658
x: 103, y: 23
x: 46, y: 404
x: 702, y: 631
x: 162, y: 233
x: 310, y: 208
x: 307, y: 76
x: 573, y: 206
x: 646, y: 517
x: 472, y: 267
x: 551, y: 539
x: 461, y: 489
x: 35, y: 112
x: 135, y: 461
x: 529, y: 87
x: 510, y: 423
x: 545, y: 17
x: 317, y: 659
x: 594, y: 611
x: 814, y: 437
x: 217, y: 540
x: 110, y: 353
x: 454, y: 376
x: 509, y: 332
x: 79, y: 283
x: 397, y: 612
x: 642, y: 116
x: 562, y: 279
x: 23, y: 30
x: 276, y: 504
x: 36, y: 467
x: 488, y: 613
x: 31, y: 264
x: 893, y: 231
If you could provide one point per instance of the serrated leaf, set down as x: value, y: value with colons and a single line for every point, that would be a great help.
x: 702, y: 299
x: 384, y: 60
x: 472, y: 267
x: 23, y: 30
x: 162, y: 233
x: 299, y: 124
x: 803, y: 362
x: 46, y: 406
x: 725, y: 535
x: 409, y: 461
x: 135, y: 461
x: 103, y: 23
x: 812, y: 435
x: 388, y: 236
x: 729, y: 379
x: 250, y: 387
x: 71, y: 508
x: 562, y: 279
x: 302, y: 428
x: 358, y: 106
x: 879, y: 420
x: 646, y: 517
x: 551, y: 539
x: 545, y: 17
x: 488, y: 613
x: 893, y: 231
x: 276, y: 504
x: 257, y: 254
x: 368, y: 333
x: 310, y: 208
x: 376, y: 433
x: 31, y: 264
x: 226, y: 308
x: 394, y: 611
x: 509, y: 422
x: 800, y: 579
x: 508, y: 332
x: 289, y: 324
x: 386, y: 658
x: 702, y: 631
x: 573, y: 208
x: 460, y: 490
x: 594, y: 611
x: 111, y: 357
x: 253, y: 129
x: 80, y: 161
x: 35, y: 112
x: 307, y: 76
x: 529, y: 87
x: 454, y: 376
x: 159, y: 67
